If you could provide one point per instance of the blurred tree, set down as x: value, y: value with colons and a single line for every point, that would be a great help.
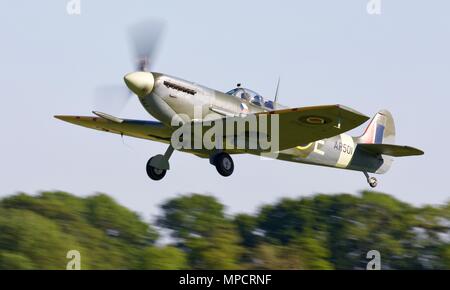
x: 220, y: 250
x: 267, y: 256
x: 445, y: 257
x: 202, y: 230
x: 311, y: 252
x: 116, y: 220
x: 191, y: 216
x: 346, y: 227
x: 30, y: 239
x: 108, y: 235
x: 126, y: 234
x: 379, y: 222
x: 247, y: 227
x: 165, y: 258
x: 13, y: 261
x: 318, y: 232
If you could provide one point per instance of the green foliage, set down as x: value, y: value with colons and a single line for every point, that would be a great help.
x: 247, y: 227
x: 219, y: 250
x: 312, y: 251
x: 270, y: 256
x: 166, y: 258
x: 199, y: 224
x: 13, y: 261
x: 347, y: 227
x: 35, y: 237
x: 104, y: 213
x: 44, y: 228
x: 192, y: 216
x: 319, y: 232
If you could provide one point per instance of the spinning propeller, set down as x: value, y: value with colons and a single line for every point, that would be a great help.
x: 144, y: 38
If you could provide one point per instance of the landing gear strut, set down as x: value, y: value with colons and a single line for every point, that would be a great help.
x: 158, y: 165
x: 223, y: 163
x: 373, y: 182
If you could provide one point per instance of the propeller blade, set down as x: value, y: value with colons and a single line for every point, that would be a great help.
x: 145, y: 37
x: 112, y: 99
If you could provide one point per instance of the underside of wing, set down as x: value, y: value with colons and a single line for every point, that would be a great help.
x: 150, y: 130
x: 391, y: 150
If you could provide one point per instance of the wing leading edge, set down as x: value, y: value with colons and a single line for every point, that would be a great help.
x: 150, y: 130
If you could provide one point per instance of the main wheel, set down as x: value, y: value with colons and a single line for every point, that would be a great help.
x: 224, y: 164
x: 155, y: 173
x: 373, y: 182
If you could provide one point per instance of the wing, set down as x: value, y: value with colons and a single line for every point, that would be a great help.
x: 299, y: 126
x: 150, y: 130
x: 391, y: 150
x: 296, y: 126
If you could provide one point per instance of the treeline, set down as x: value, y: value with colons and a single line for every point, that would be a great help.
x: 319, y: 232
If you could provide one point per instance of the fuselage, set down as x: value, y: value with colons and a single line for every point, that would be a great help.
x: 173, y: 100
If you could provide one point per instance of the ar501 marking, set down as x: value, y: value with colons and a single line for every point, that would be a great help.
x: 345, y: 148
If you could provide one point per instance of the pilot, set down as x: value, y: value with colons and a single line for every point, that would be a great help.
x: 269, y: 104
x: 258, y: 100
x: 245, y: 95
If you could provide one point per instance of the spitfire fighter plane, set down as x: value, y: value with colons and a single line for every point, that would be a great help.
x: 310, y: 135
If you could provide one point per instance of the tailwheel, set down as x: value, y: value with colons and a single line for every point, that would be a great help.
x: 373, y: 182
x: 153, y: 172
x: 224, y: 164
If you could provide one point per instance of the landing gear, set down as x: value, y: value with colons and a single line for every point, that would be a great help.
x: 223, y: 163
x: 153, y: 172
x: 158, y: 165
x: 373, y: 182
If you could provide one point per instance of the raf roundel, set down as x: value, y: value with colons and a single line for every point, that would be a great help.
x: 314, y: 120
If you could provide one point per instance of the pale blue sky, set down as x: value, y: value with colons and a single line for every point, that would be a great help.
x: 326, y: 52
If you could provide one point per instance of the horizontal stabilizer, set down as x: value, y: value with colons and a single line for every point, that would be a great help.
x: 391, y: 150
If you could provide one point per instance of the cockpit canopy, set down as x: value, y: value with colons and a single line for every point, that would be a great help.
x: 251, y: 96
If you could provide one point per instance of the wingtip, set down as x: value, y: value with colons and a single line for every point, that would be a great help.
x: 66, y: 118
x: 59, y: 117
x: 418, y: 152
x: 353, y: 111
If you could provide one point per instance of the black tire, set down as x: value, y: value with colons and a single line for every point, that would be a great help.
x: 155, y: 173
x: 224, y: 164
x: 373, y: 182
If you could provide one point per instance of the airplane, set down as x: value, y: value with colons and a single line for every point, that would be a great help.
x: 311, y: 135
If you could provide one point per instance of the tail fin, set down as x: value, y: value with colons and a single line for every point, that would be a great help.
x: 379, y: 139
x: 381, y: 130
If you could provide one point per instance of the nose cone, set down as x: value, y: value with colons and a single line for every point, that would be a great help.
x: 141, y: 83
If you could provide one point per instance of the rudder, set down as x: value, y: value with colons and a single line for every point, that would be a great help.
x: 381, y: 129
